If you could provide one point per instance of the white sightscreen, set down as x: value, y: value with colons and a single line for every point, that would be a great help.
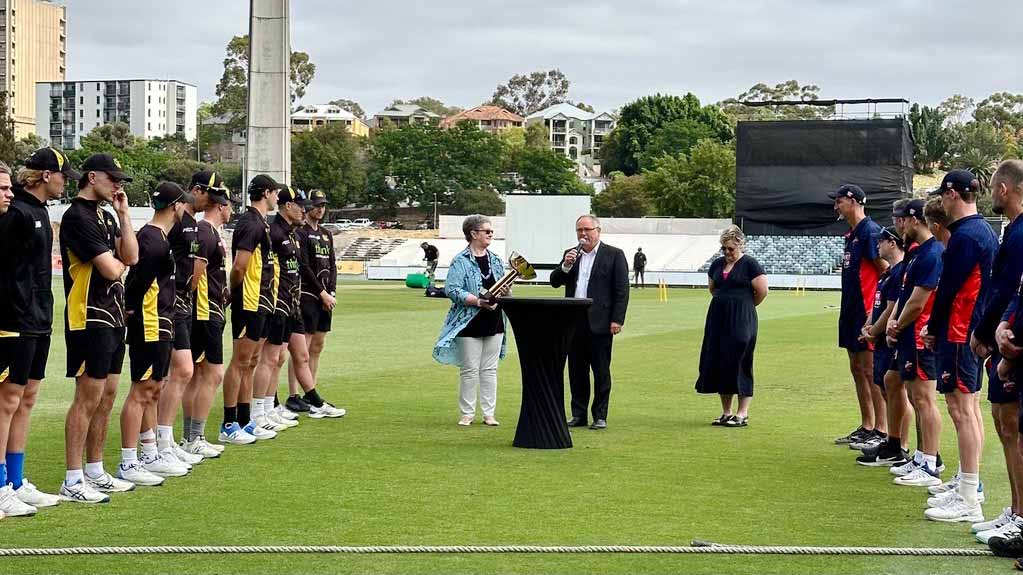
x: 541, y: 228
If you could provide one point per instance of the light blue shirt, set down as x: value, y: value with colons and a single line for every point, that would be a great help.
x: 464, y: 279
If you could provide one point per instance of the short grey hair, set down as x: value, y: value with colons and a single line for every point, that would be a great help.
x: 733, y: 234
x: 591, y: 217
x: 471, y: 223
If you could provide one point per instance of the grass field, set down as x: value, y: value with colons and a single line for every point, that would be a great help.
x: 397, y: 470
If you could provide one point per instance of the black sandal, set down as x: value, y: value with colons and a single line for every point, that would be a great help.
x: 736, y: 421
x: 722, y: 420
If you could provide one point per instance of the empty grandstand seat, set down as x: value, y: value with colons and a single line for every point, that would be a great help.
x: 805, y: 255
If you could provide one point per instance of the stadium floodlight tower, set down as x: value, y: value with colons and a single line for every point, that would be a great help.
x: 268, y: 135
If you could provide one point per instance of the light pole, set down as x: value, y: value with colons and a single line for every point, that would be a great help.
x: 436, y: 223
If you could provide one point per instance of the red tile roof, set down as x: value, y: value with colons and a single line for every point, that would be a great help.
x: 485, y: 112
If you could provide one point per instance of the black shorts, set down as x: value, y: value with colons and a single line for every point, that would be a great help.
x: 849, y: 331
x: 208, y: 342
x: 281, y: 327
x: 150, y: 360
x: 23, y: 358
x: 916, y: 364
x: 97, y: 353
x: 996, y: 392
x: 248, y: 324
x: 959, y: 369
x: 315, y: 319
x: 182, y: 333
x: 882, y: 362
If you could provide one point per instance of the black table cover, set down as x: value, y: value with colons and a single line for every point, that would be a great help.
x: 543, y: 331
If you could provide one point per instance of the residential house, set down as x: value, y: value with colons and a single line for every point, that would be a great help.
x: 576, y: 133
x: 488, y: 118
x: 306, y: 118
x: 403, y: 115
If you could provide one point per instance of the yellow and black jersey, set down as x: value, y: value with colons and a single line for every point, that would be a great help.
x: 93, y: 302
x: 257, y: 292
x: 285, y: 246
x: 316, y: 253
x: 209, y: 294
x: 149, y: 289
x: 184, y: 247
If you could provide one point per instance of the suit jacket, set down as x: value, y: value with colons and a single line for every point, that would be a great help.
x: 608, y: 287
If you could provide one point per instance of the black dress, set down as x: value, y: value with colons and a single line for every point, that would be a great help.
x: 730, y: 334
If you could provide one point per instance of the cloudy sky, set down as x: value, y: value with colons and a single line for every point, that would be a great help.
x: 374, y: 51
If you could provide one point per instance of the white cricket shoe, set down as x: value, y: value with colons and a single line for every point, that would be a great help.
x: 160, y: 466
x: 213, y: 446
x: 1006, y: 531
x: 919, y: 477
x: 201, y: 448
x: 944, y: 498
x: 326, y: 410
x: 904, y: 469
x: 11, y: 506
x: 1006, y: 516
x: 185, y: 456
x: 138, y: 475
x: 29, y: 495
x: 276, y: 418
x: 955, y: 511
x: 82, y: 492
x: 107, y: 483
x: 950, y: 485
x: 235, y: 435
x: 167, y: 454
x: 286, y: 413
x: 259, y: 432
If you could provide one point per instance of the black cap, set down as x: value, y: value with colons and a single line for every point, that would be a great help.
x: 209, y: 181
x: 317, y: 198
x: 892, y: 235
x: 849, y: 191
x: 52, y: 160
x: 169, y: 193
x: 914, y: 209
x: 959, y: 181
x: 221, y: 199
x: 262, y: 183
x: 289, y: 194
x: 105, y: 163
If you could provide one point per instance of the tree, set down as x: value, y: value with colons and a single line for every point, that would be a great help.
x: 180, y: 170
x: 932, y: 139
x: 537, y: 137
x: 674, y: 138
x: 624, y: 197
x: 978, y: 148
x: 957, y: 110
x: 431, y: 105
x: 24, y: 147
x: 786, y: 91
x: 1003, y: 110
x: 479, y: 202
x: 350, y: 105
x: 525, y: 94
x: 8, y: 153
x: 544, y: 171
x: 232, y: 90
x: 701, y: 186
x: 640, y: 120
x: 330, y: 159
x: 145, y: 163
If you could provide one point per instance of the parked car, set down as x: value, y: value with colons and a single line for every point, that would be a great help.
x: 334, y: 229
x: 425, y: 225
x: 343, y: 224
x: 388, y: 225
x: 362, y: 223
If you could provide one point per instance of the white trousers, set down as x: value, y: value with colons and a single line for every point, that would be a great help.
x: 479, y: 357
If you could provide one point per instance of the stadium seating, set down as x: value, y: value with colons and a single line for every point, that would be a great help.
x: 369, y: 248
x: 804, y: 255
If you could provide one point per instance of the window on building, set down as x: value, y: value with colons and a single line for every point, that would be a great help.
x: 81, y: 100
x: 97, y: 111
x: 149, y: 113
x: 149, y: 99
x: 97, y: 100
x: 149, y: 126
x: 81, y: 113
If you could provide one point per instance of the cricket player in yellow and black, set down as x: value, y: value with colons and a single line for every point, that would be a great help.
x: 96, y: 248
x: 253, y: 293
x: 149, y: 297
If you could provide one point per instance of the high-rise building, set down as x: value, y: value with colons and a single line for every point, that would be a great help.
x: 67, y: 111
x: 33, y: 41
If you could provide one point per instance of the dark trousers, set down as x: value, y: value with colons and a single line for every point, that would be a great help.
x: 589, y: 351
x: 640, y: 277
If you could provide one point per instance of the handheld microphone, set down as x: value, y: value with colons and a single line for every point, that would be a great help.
x: 578, y: 254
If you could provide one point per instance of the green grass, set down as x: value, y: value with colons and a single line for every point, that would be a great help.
x: 397, y: 470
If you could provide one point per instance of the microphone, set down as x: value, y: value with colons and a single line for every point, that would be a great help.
x: 578, y: 254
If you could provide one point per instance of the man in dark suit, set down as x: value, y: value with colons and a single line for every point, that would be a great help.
x: 600, y: 272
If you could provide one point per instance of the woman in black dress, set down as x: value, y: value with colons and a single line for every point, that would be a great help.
x: 738, y: 284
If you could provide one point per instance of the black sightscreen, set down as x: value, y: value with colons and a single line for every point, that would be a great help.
x: 785, y: 169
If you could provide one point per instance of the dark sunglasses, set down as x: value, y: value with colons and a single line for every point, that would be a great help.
x: 488, y: 232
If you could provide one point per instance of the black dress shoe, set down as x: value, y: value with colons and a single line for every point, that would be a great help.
x: 577, y: 422
x: 1007, y: 546
x: 599, y: 424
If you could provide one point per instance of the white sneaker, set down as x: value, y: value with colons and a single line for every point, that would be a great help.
x: 170, y: 456
x: 137, y: 475
x: 286, y: 413
x: 1006, y: 516
x: 904, y: 469
x: 919, y: 477
x: 950, y: 485
x: 11, y: 506
x: 276, y: 418
x: 186, y: 457
x: 944, y: 498
x: 235, y: 435
x: 82, y: 492
x: 160, y: 466
x: 212, y: 446
x: 326, y: 410
x: 956, y: 511
x: 1006, y: 531
x: 201, y: 448
x: 107, y: 483
x: 259, y: 432
x: 266, y: 422
x: 29, y: 495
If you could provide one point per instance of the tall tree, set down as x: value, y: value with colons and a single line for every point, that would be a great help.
x: 785, y: 91
x: 24, y: 147
x: 701, y: 186
x: 640, y: 120
x: 979, y: 147
x: 232, y: 90
x: 957, y: 109
x: 544, y: 171
x: 350, y: 105
x: 1003, y: 110
x: 8, y: 153
x: 328, y: 158
x: 431, y: 105
x: 624, y: 197
x: 931, y: 138
x: 525, y: 94
x: 674, y: 138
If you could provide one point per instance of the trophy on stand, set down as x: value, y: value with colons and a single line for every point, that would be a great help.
x: 518, y: 268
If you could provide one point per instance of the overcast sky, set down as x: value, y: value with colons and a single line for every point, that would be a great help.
x: 374, y: 51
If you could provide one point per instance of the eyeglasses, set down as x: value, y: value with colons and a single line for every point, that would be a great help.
x: 728, y: 250
x: 488, y: 232
x: 582, y: 230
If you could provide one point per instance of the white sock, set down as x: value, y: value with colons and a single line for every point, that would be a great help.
x: 95, y: 469
x: 968, y: 484
x: 149, y: 450
x: 72, y: 476
x: 918, y: 457
x: 128, y: 456
x: 165, y: 435
x: 931, y: 461
x: 268, y: 405
x: 257, y: 408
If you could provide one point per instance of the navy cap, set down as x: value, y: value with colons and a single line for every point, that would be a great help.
x: 169, y: 193
x: 107, y: 164
x: 52, y: 160
x: 914, y: 209
x: 849, y: 191
x: 891, y: 235
x: 959, y: 181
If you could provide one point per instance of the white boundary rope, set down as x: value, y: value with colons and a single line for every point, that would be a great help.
x: 698, y: 547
